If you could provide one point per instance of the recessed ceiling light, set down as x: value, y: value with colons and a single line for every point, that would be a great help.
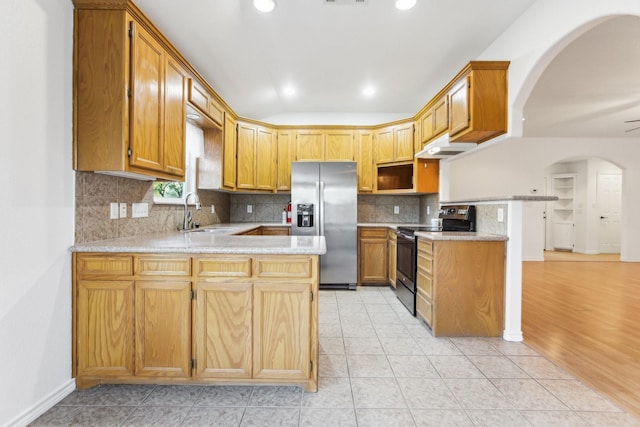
x: 264, y: 5
x: 405, y: 4
x: 289, y: 91
x: 369, y: 91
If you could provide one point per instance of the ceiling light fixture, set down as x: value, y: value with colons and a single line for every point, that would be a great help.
x: 289, y: 91
x: 405, y: 4
x: 264, y: 5
x: 369, y: 91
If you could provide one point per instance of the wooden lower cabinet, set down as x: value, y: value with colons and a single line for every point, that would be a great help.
x: 372, y: 255
x: 391, y: 254
x: 460, y: 287
x: 165, y: 318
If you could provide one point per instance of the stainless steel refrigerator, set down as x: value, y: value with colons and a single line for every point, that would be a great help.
x: 324, y: 202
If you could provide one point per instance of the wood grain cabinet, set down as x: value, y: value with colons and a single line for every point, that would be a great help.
x: 372, y: 255
x: 130, y: 97
x: 364, y: 158
x: 394, y: 143
x: 391, y: 255
x: 320, y: 145
x: 434, y: 121
x: 460, y: 287
x: 205, y: 102
x: 256, y: 157
x: 286, y: 140
x: 478, y: 102
x: 231, y: 318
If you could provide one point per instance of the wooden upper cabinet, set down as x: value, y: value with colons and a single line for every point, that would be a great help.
x: 229, y: 153
x: 339, y: 145
x: 129, y: 98
x: 394, y: 143
x: 310, y: 145
x: 364, y: 144
x: 256, y: 168
x: 478, y: 102
x: 434, y: 121
x: 403, y: 141
x: 286, y: 140
x: 426, y: 126
x: 266, y: 159
x: 205, y: 102
x: 384, y: 146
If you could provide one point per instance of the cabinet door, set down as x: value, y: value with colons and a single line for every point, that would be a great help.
x: 285, y: 146
x: 426, y: 126
x: 175, y: 116
x: 147, y: 116
x: 223, y: 330
x: 338, y: 145
x: 163, y: 328
x: 105, y: 328
x: 265, y: 161
x: 281, y: 331
x: 247, y: 137
x: 403, y: 137
x: 440, y: 116
x: 229, y: 153
x: 384, y: 146
x: 459, y: 114
x: 391, y: 243
x: 372, y: 253
x: 310, y: 145
x: 365, y: 161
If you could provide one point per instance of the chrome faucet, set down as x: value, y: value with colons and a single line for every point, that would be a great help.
x: 186, y: 223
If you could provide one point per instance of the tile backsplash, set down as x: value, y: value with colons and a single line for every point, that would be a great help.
x: 95, y: 192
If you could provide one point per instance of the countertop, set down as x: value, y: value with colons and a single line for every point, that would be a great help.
x: 217, y: 240
x: 441, y: 235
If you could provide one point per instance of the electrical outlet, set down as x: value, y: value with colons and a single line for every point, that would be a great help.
x: 428, y: 210
x: 123, y: 210
x: 213, y: 209
x: 500, y: 215
x: 396, y: 210
x: 114, y: 211
x: 249, y: 209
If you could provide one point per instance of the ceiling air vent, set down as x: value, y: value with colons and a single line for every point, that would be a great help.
x: 345, y: 2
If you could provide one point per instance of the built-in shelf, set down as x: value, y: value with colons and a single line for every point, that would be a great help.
x: 563, y: 211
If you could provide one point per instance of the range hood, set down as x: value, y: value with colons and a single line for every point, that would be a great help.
x: 442, y: 148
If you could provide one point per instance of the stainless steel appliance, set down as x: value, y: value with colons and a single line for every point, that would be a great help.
x: 324, y: 203
x: 454, y: 218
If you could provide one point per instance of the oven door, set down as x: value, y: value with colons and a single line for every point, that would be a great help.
x: 406, y: 271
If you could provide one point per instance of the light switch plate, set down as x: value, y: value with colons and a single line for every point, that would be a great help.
x: 114, y: 211
x: 139, y: 210
x: 123, y: 210
x: 500, y: 215
x: 396, y: 210
x: 249, y: 209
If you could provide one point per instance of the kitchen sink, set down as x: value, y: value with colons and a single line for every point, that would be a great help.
x: 216, y: 230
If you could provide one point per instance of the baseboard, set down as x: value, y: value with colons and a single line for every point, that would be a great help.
x: 48, y: 402
x: 625, y: 259
x: 515, y: 336
x: 533, y: 258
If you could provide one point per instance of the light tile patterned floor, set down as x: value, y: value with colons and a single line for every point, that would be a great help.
x: 379, y: 366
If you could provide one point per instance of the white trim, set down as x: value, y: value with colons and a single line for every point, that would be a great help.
x: 513, y: 282
x: 30, y: 415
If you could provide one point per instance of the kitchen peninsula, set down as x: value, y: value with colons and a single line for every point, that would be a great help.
x: 196, y: 307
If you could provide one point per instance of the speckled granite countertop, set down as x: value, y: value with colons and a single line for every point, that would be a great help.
x: 215, y: 239
x: 523, y: 198
x: 461, y: 235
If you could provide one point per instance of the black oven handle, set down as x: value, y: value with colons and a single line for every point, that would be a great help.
x: 401, y: 235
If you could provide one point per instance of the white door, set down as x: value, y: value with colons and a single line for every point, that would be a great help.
x: 609, y: 199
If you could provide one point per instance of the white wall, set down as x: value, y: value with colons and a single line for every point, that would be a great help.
x: 37, y: 199
x: 514, y: 165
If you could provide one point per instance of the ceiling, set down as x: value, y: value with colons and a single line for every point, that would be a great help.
x: 329, y: 53
x: 592, y: 87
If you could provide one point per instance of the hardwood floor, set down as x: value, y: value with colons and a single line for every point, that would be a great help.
x: 585, y: 316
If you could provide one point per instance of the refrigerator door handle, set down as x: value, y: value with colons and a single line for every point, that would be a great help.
x: 317, y: 209
x: 321, y: 208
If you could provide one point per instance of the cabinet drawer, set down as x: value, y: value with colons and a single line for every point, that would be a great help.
x: 424, y: 308
x: 425, y: 246
x: 425, y: 284
x: 373, y: 232
x: 425, y: 263
x: 158, y: 265
x: 224, y: 266
x: 104, y: 265
x: 275, y: 231
x: 296, y: 267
